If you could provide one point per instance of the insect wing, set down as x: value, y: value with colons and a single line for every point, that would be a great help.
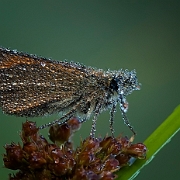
x: 31, y: 86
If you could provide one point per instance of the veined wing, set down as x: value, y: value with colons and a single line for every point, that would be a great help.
x: 31, y: 86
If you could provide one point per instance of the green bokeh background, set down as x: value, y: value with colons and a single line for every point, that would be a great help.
x: 141, y: 35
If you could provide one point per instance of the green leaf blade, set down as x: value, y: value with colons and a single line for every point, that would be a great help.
x: 154, y: 143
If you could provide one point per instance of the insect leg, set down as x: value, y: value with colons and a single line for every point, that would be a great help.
x: 96, y: 113
x: 111, y: 120
x: 62, y: 120
x: 123, y: 108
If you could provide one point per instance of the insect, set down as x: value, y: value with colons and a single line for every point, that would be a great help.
x: 32, y: 86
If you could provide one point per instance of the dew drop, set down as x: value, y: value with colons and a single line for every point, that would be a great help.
x: 43, y: 64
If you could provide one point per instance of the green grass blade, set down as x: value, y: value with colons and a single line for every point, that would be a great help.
x: 155, y: 142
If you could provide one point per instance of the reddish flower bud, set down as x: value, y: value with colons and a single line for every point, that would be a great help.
x: 14, y: 156
x: 59, y: 133
x: 123, y: 159
x: 93, y: 159
x: 90, y: 144
x: 36, y: 160
x: 137, y: 150
x: 30, y: 147
x: 85, y: 158
x: 29, y: 130
x: 111, y: 164
x: 110, y: 145
x: 74, y: 123
x: 107, y: 175
x: 84, y: 174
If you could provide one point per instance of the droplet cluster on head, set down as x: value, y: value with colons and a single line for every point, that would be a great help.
x: 127, y: 82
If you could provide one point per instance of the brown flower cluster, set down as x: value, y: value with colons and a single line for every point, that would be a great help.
x: 95, y: 159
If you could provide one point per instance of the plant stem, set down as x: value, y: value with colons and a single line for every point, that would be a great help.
x: 154, y: 143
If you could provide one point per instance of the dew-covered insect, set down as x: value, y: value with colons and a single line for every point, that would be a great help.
x: 34, y: 86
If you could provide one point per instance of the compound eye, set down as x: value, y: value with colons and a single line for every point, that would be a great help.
x: 113, y: 84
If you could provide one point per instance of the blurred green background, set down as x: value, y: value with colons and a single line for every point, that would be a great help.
x: 141, y: 35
